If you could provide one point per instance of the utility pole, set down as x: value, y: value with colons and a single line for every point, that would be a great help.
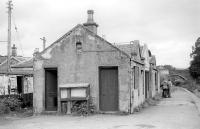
x: 44, y: 42
x: 9, y: 34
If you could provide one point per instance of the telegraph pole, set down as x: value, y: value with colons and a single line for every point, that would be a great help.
x: 9, y: 34
x: 44, y: 42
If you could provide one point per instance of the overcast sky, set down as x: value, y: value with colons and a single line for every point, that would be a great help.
x: 168, y: 27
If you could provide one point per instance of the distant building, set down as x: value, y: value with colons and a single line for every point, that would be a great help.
x: 19, y: 81
x: 120, y: 77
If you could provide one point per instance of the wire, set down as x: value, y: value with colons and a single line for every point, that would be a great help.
x: 17, y: 35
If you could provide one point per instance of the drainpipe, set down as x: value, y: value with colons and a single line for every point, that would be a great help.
x: 130, y: 87
x: 130, y: 82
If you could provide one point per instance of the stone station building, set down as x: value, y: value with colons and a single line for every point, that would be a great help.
x: 82, y: 65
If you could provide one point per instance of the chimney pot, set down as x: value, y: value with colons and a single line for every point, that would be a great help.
x: 14, y: 50
x: 90, y: 16
x: 90, y: 24
x: 90, y: 11
x: 36, y: 51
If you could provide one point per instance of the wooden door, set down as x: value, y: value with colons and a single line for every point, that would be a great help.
x: 51, y: 89
x: 108, y: 87
x: 146, y: 84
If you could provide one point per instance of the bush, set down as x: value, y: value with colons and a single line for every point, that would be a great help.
x: 195, y: 63
x: 3, y: 108
x: 8, y: 104
x: 81, y: 108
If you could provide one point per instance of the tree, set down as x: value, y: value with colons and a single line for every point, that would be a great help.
x: 195, y: 63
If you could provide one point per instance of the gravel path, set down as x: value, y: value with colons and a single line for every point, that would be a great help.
x: 178, y: 112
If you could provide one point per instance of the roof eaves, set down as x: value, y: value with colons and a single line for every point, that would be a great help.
x: 137, y: 62
x: 66, y: 34
x: 22, y: 66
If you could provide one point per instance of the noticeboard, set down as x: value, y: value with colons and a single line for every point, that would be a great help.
x: 73, y: 92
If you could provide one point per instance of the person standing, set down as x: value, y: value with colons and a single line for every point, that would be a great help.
x: 164, y: 87
x: 169, y: 83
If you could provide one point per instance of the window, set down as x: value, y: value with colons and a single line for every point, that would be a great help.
x: 78, y: 46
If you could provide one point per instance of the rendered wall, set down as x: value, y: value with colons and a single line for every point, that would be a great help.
x: 81, y: 67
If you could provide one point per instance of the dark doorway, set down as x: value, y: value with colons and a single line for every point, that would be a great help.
x: 19, y: 84
x: 146, y: 84
x: 108, y: 88
x: 51, y: 89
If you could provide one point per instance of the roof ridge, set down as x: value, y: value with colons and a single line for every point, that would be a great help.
x: 105, y: 41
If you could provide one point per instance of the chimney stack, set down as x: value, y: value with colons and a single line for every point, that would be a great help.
x: 90, y: 24
x: 36, y: 51
x: 14, y: 50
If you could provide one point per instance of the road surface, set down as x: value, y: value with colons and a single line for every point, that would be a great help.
x: 178, y: 112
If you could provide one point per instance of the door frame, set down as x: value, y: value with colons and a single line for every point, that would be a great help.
x: 45, y: 80
x: 108, y: 67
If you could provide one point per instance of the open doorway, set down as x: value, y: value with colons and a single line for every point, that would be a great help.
x: 19, y: 84
x: 51, y: 89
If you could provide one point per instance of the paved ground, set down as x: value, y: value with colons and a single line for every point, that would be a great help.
x: 178, y: 112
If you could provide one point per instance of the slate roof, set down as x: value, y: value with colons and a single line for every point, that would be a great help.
x: 3, y: 59
x: 21, y: 58
x: 153, y: 59
x: 133, y: 50
x: 126, y: 48
x: 18, y: 60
